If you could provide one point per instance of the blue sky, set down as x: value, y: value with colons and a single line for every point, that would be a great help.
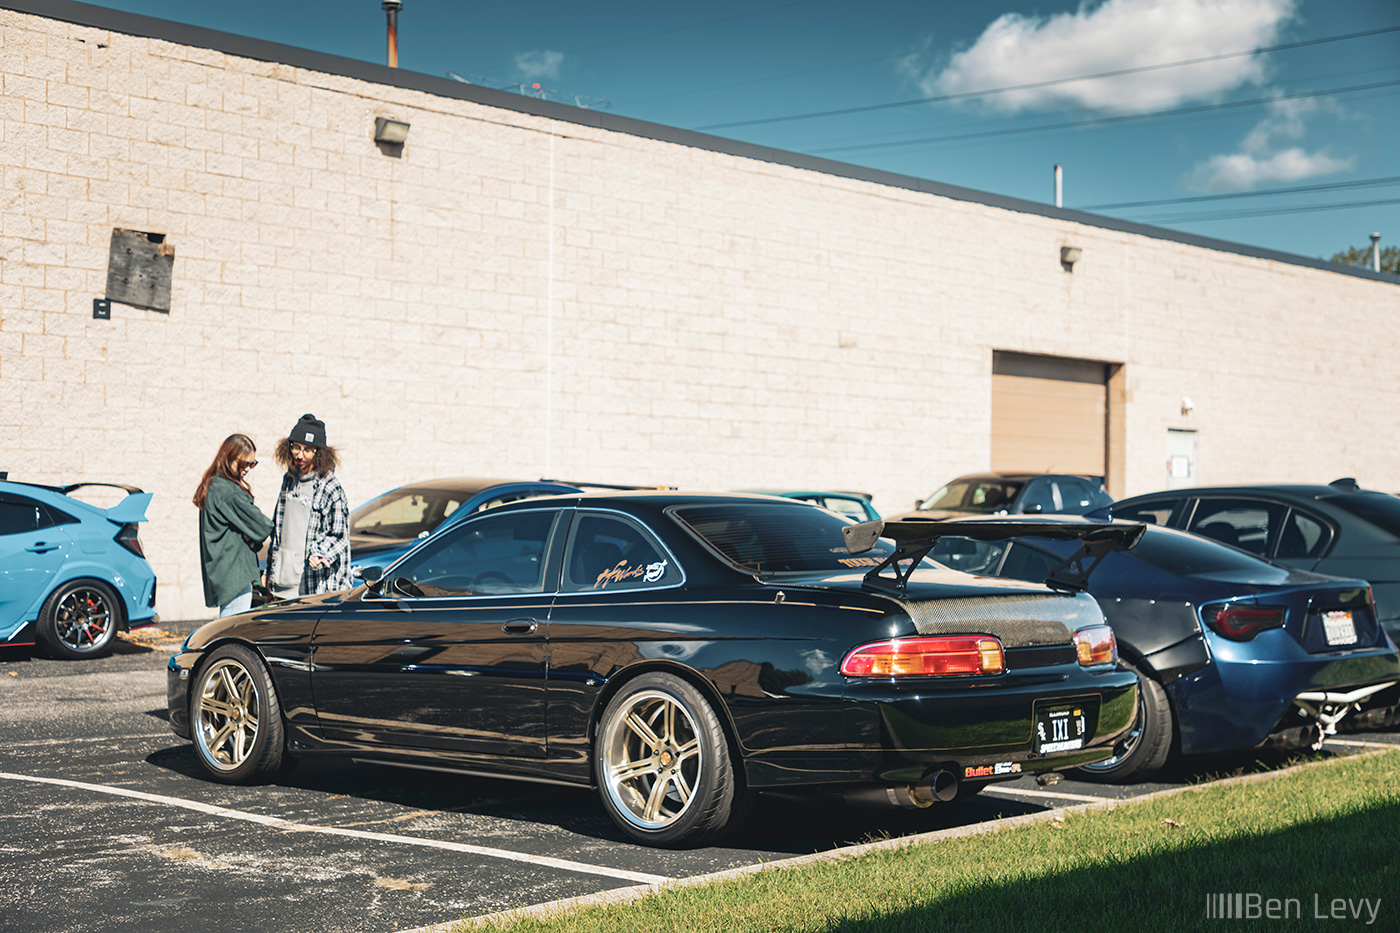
x: 1247, y: 120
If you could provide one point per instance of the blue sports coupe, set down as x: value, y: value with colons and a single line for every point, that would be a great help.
x: 72, y: 575
x: 1233, y: 652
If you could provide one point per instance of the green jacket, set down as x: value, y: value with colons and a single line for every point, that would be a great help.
x: 231, y: 529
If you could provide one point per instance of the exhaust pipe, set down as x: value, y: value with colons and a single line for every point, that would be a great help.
x: 1309, y: 736
x: 936, y: 787
x: 1369, y: 719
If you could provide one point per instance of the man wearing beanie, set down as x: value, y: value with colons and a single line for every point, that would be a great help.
x: 310, y: 547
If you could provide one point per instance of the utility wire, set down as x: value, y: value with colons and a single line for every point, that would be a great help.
x: 1266, y: 212
x: 1302, y: 189
x: 942, y: 98
x: 1099, y: 121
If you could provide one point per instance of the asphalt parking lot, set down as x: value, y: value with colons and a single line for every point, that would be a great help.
x: 108, y: 824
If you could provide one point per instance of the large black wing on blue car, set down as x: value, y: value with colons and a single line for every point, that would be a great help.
x: 913, y: 539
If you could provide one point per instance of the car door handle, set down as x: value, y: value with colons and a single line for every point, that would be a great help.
x: 520, y: 627
x: 42, y: 547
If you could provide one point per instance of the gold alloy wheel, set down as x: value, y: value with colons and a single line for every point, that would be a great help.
x: 652, y: 759
x: 227, y: 719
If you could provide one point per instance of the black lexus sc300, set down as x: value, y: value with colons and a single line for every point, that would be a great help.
x: 678, y: 653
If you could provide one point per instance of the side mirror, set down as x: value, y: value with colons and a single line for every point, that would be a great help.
x: 918, y: 503
x: 1034, y: 508
x: 370, y: 574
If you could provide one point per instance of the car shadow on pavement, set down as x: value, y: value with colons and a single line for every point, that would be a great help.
x: 779, y: 824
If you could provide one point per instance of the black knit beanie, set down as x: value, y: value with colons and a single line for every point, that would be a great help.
x: 310, y: 431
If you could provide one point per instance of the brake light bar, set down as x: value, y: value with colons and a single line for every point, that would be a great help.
x: 1242, y: 623
x: 1096, y: 645
x: 940, y: 656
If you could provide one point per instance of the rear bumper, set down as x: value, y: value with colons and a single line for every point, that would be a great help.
x: 1236, y: 705
x: 985, y: 734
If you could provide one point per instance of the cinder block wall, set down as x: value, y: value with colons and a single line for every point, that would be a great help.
x: 519, y: 296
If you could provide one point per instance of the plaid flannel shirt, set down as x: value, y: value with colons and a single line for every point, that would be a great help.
x: 327, y: 535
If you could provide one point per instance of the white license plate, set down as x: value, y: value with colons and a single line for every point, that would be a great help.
x: 1340, y: 629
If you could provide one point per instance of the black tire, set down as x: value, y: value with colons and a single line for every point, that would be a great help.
x: 1147, y: 746
x: 79, y: 620
x: 663, y: 766
x: 235, y: 719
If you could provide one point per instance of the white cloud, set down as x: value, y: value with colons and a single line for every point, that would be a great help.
x: 1244, y: 170
x: 1261, y: 161
x: 540, y: 64
x: 1114, y: 35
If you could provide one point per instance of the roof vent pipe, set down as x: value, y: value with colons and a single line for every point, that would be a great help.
x: 391, y: 10
x: 1376, y: 252
x: 1059, y: 186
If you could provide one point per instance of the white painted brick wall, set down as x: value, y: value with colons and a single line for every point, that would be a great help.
x: 517, y: 297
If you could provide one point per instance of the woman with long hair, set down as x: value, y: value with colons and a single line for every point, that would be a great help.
x: 231, y: 527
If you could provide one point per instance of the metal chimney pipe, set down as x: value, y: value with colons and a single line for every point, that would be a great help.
x: 391, y: 9
x: 1376, y: 252
x: 1059, y: 186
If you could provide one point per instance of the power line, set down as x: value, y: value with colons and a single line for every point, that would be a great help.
x: 1301, y: 189
x: 1265, y: 212
x: 1120, y: 118
x: 964, y: 95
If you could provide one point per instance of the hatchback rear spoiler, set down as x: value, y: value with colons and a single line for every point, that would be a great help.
x: 914, y: 538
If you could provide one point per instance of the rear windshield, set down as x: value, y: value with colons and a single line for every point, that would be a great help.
x: 777, y: 538
x: 1179, y: 553
x: 1375, y: 507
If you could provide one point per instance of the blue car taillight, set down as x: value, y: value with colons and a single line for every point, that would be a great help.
x: 128, y: 539
x: 1242, y: 623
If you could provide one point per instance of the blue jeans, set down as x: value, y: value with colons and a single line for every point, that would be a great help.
x: 240, y: 603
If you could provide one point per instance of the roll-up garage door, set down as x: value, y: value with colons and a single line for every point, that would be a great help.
x: 1049, y: 414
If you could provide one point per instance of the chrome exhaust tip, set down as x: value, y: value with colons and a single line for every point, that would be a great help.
x: 936, y: 787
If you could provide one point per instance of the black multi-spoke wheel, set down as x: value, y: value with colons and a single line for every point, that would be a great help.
x: 235, y: 717
x: 1146, y: 747
x: 663, y: 765
x: 79, y: 620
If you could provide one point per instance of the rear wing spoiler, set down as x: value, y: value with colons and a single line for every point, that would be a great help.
x: 129, y: 511
x: 914, y: 539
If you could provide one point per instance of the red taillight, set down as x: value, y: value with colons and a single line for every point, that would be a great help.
x: 926, y: 657
x: 1241, y: 623
x: 127, y: 538
x: 1096, y: 645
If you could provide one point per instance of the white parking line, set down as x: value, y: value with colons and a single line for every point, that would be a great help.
x: 1043, y: 793
x: 289, y: 826
x: 99, y: 738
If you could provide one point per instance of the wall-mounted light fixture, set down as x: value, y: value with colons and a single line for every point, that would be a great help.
x: 389, y: 131
x: 1069, y: 255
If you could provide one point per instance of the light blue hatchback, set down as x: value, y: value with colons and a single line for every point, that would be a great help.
x: 72, y: 575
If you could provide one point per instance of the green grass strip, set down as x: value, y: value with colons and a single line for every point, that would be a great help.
x: 1295, y: 845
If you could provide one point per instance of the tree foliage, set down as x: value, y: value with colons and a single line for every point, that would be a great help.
x: 1360, y: 256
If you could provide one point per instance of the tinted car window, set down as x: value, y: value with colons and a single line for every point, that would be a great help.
x: 1077, y: 496
x: 1302, y: 536
x: 494, y: 555
x: 1151, y: 513
x: 1243, y: 523
x: 18, y: 516
x: 609, y: 553
x: 1039, y: 497
x: 777, y: 539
